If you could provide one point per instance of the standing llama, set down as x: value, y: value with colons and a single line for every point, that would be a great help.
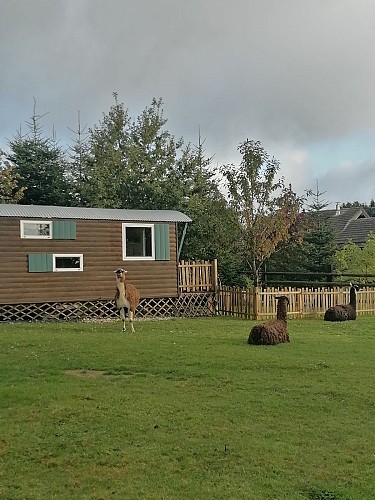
x: 127, y: 297
x: 344, y: 312
x: 275, y: 331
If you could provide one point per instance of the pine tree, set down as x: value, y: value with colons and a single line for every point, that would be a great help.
x: 78, y: 161
x: 319, y: 238
x: 214, y: 229
x: 10, y: 192
x: 41, y: 166
x: 315, y: 252
x: 105, y: 169
x: 153, y: 154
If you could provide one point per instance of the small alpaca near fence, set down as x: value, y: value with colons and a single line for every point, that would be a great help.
x: 127, y: 297
x: 275, y: 331
x: 344, y: 312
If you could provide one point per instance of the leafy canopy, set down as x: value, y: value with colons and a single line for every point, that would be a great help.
x: 266, y: 209
x: 353, y: 259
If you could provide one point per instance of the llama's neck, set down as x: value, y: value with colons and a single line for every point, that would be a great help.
x: 121, y: 286
x: 353, y: 298
x: 281, y: 310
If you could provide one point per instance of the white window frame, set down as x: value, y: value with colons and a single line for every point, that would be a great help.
x: 23, y: 223
x: 131, y: 257
x: 69, y: 270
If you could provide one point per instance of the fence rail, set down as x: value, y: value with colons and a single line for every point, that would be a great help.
x: 304, y: 302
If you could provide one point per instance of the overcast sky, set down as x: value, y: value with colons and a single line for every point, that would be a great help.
x: 297, y: 75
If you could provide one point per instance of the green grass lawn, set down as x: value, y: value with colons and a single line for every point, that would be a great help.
x: 186, y: 409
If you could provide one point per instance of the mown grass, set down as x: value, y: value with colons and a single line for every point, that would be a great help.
x: 185, y: 409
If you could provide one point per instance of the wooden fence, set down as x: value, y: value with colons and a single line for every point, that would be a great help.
x: 197, y: 276
x: 260, y: 303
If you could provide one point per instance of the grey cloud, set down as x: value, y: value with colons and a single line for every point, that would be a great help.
x: 348, y: 182
x: 286, y: 73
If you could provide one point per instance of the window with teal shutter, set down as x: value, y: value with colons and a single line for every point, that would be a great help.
x: 64, y: 229
x: 40, y: 262
x: 161, y: 235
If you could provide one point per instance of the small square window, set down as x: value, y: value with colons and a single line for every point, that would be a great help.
x: 138, y: 242
x: 36, y: 229
x: 67, y: 262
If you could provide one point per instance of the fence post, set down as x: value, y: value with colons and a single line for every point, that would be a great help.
x: 255, y: 302
x: 300, y: 302
x: 215, y: 279
x: 215, y: 286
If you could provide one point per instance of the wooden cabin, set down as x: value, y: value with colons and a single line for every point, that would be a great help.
x: 65, y: 254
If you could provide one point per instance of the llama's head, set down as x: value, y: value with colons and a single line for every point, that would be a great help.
x: 356, y: 287
x: 282, y: 305
x: 353, y: 298
x: 283, y: 298
x: 120, y: 273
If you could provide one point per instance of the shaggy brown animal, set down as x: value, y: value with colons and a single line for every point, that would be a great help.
x: 127, y: 298
x: 344, y: 312
x: 275, y: 331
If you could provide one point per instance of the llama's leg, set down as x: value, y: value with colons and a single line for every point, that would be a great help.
x: 122, y: 316
x: 131, y: 319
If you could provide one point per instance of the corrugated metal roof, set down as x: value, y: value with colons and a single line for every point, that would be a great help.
x: 50, y: 212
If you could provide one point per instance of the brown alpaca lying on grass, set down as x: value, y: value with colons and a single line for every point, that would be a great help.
x: 274, y: 331
x: 344, y: 312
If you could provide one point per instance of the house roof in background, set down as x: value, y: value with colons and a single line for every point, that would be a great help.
x: 343, y: 217
x: 352, y: 223
x: 358, y: 231
x: 51, y: 212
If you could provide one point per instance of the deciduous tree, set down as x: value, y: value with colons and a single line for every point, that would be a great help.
x: 266, y: 209
x: 353, y: 259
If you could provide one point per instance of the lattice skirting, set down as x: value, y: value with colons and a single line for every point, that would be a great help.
x: 186, y: 305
